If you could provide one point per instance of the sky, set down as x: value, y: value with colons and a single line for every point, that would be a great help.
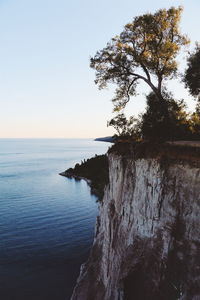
x: 47, y: 88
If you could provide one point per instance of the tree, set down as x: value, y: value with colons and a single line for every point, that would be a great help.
x: 192, y: 73
x: 145, y: 50
x: 153, y: 125
x: 122, y: 125
x: 195, y: 122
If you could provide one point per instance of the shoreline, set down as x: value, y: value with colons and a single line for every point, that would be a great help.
x: 76, y: 177
x: 88, y: 181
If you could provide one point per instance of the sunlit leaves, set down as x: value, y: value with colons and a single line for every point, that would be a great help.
x: 145, y: 49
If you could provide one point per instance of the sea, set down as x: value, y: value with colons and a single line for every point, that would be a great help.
x: 46, y: 221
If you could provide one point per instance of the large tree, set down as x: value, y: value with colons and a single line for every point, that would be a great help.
x: 145, y: 51
x: 192, y: 73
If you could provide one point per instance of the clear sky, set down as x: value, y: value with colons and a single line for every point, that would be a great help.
x: 46, y: 86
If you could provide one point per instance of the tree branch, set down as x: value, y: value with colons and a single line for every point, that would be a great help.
x: 129, y: 87
x: 152, y: 86
x: 146, y: 71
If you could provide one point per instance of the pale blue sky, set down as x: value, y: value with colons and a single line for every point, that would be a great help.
x: 46, y: 86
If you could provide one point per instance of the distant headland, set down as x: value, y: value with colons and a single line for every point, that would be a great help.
x: 108, y: 139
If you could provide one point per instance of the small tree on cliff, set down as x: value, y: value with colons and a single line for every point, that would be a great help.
x: 152, y: 125
x: 144, y: 51
x: 192, y: 82
x: 192, y: 73
x: 124, y: 127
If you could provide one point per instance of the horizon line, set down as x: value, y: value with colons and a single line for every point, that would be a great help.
x: 47, y: 138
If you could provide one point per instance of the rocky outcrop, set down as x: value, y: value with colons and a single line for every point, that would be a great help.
x: 147, y: 242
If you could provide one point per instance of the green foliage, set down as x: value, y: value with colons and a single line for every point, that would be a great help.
x: 95, y: 169
x: 153, y: 124
x: 192, y: 73
x: 195, y: 122
x: 146, y: 48
x: 179, y: 126
x: 123, y: 126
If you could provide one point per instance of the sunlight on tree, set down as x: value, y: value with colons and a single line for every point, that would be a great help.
x: 145, y: 50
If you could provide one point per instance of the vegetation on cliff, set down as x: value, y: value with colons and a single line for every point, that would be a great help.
x: 94, y: 170
x: 192, y: 73
x: 146, y: 51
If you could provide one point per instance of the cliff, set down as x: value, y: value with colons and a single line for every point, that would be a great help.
x: 147, y: 241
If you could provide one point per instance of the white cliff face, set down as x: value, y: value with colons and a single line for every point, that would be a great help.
x: 147, y: 243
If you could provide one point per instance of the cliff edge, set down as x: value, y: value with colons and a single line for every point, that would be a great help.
x: 147, y: 241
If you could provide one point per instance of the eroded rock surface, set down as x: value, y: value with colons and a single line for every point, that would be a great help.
x: 147, y: 243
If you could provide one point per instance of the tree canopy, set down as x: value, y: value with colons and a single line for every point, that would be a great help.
x: 192, y: 74
x: 145, y: 50
x: 179, y: 125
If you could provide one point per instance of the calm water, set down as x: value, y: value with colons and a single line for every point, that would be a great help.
x: 46, y: 221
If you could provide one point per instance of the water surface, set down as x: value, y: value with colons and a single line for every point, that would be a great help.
x: 46, y: 221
